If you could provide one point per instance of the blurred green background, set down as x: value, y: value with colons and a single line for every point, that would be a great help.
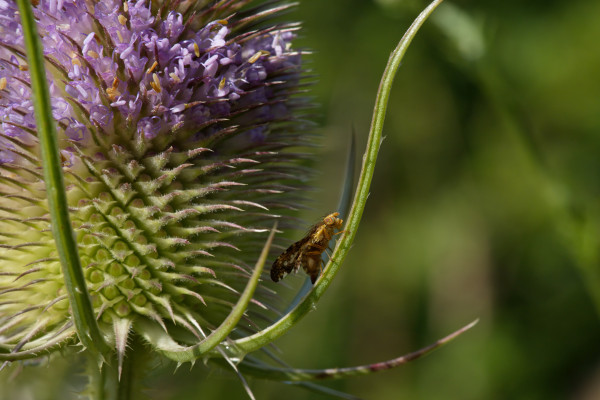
x: 484, y: 204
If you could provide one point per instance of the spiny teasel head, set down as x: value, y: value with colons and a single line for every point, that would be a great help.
x: 178, y: 127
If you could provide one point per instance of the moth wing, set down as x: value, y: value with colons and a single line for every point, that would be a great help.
x: 296, y: 255
x: 288, y: 261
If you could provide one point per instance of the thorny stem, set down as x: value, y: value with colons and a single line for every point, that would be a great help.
x: 83, y: 314
x: 115, y: 385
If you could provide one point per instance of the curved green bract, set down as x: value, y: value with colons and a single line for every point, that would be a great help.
x: 189, y: 354
x: 259, y: 369
x: 83, y: 314
x: 266, y: 336
x: 60, y: 340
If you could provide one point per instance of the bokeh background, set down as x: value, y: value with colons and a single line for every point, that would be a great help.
x: 484, y: 202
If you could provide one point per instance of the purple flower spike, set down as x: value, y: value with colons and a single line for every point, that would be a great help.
x: 176, y: 133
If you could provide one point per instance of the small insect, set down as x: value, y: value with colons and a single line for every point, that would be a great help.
x: 306, y: 252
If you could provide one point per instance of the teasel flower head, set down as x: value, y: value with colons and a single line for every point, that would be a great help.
x: 177, y: 131
x: 181, y: 129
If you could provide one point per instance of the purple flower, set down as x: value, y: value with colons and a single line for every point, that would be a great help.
x: 175, y: 129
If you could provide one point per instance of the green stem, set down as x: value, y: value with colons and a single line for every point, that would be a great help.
x: 266, y: 336
x: 111, y: 386
x: 128, y: 376
x: 85, y: 321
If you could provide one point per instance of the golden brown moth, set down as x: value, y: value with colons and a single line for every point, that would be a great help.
x: 306, y: 252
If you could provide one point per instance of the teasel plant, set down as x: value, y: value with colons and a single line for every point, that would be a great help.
x: 150, y: 154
